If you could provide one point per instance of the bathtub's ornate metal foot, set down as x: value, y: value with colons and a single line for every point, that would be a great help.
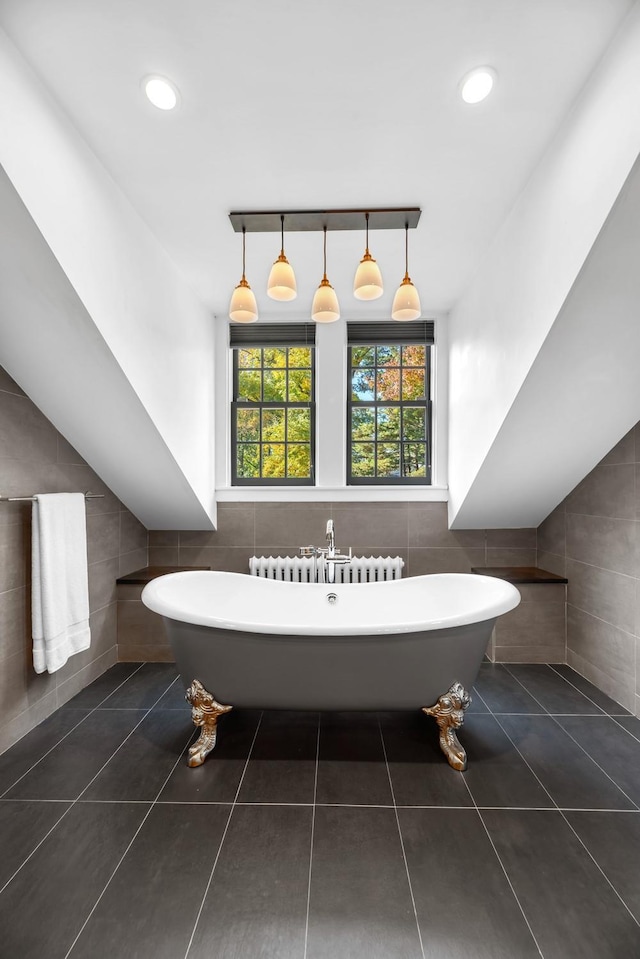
x: 448, y: 712
x: 205, y: 711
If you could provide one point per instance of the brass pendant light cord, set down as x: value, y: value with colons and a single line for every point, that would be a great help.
x: 325, y: 251
x: 282, y: 234
x: 366, y: 245
x: 406, y: 247
x: 243, y: 255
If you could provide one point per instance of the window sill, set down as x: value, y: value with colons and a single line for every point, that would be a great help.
x: 334, y: 494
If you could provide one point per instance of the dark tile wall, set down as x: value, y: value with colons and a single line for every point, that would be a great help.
x: 35, y: 457
x: 593, y: 538
x: 534, y: 632
x: 416, y: 531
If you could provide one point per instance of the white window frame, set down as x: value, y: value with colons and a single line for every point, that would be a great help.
x: 331, y: 426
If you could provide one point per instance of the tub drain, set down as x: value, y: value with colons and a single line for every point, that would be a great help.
x: 332, y: 598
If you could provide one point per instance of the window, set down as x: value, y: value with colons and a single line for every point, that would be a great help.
x: 273, y: 410
x: 389, y: 407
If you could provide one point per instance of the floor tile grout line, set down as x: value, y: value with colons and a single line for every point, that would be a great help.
x: 474, y: 692
x: 404, y: 854
x: 74, y: 801
x: 567, y: 733
x: 628, y: 731
x: 128, y: 737
x: 535, y: 698
x: 546, y: 712
x: 595, y: 762
x: 133, y: 839
x: 528, y: 765
x: 522, y: 757
x: 73, y: 728
x: 212, y: 802
x: 224, y: 836
x: 551, y: 665
x: 35, y: 849
x: 313, y: 828
x: 503, y: 867
x: 596, y: 863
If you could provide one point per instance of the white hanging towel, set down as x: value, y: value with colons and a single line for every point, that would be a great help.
x: 59, y: 579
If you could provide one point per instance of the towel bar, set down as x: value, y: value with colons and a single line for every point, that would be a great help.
x: 25, y: 499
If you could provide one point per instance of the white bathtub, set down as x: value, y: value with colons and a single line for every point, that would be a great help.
x: 252, y: 604
x: 269, y: 644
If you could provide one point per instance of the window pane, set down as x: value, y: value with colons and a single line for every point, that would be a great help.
x: 272, y: 425
x: 363, y: 356
x: 299, y: 386
x: 363, y: 423
x: 388, y: 423
x: 274, y: 356
x: 249, y: 385
x: 273, y: 459
x: 362, y: 384
x: 412, y: 384
x: 413, y: 355
x: 299, y: 426
x: 388, y: 459
x: 388, y: 356
x: 363, y: 459
x: 300, y: 356
x: 414, y: 459
x: 273, y: 414
x: 414, y: 424
x: 298, y: 460
x: 388, y: 384
x: 248, y: 426
x: 275, y: 386
x: 248, y: 460
x: 389, y: 413
x: 249, y: 357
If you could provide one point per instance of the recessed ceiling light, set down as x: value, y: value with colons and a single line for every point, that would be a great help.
x: 161, y: 92
x: 477, y: 84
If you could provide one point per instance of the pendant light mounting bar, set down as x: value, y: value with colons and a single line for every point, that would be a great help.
x: 308, y: 221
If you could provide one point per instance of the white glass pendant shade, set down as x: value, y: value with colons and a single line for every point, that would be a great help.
x: 367, y: 284
x: 406, y: 302
x: 243, y: 307
x: 325, y: 307
x: 282, y: 280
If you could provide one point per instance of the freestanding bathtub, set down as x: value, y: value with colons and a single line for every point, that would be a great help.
x: 414, y: 643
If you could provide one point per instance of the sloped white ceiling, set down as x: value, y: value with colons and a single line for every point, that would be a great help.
x: 91, y: 301
x: 524, y: 424
x: 51, y: 346
x: 132, y: 206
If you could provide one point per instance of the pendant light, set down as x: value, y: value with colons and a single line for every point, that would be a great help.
x: 282, y: 281
x: 367, y: 284
x: 243, y: 307
x: 406, y: 302
x: 325, y: 307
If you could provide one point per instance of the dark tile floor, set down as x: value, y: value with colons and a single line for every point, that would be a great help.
x: 339, y: 835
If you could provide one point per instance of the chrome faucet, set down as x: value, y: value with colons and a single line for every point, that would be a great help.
x: 331, y: 539
x: 329, y: 552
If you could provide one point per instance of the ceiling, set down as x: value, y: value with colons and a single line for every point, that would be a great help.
x: 343, y: 105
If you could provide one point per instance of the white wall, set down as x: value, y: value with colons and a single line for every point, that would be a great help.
x: 501, y: 323
x: 158, y: 335
x: 582, y: 393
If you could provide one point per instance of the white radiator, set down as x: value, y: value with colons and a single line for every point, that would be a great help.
x: 303, y: 569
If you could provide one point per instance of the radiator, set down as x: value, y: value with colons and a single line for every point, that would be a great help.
x: 309, y: 569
